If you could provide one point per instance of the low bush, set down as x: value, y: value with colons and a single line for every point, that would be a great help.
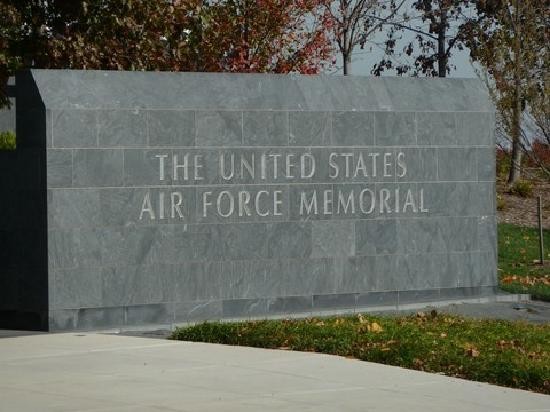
x: 522, y: 188
x: 7, y: 141
x: 501, y: 203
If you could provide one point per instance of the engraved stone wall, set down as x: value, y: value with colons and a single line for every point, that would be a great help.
x: 183, y: 197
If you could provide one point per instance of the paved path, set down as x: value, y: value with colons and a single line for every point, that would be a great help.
x: 100, y: 372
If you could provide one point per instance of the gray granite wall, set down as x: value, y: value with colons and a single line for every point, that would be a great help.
x: 184, y: 197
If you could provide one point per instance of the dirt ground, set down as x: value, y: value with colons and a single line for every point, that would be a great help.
x: 523, y: 211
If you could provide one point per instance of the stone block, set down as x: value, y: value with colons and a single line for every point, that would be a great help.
x: 310, y: 128
x: 59, y: 168
x: 198, y: 311
x: 457, y: 164
x: 352, y: 129
x: 377, y: 299
x: 152, y: 314
x: 486, y: 164
x: 334, y: 301
x: 76, y: 288
x: 421, y: 165
x: 332, y: 239
x: 71, y: 209
x: 396, y: 128
x: 418, y: 296
x: 97, y: 168
x: 377, y: 237
x: 244, y: 308
x: 289, y: 305
x: 137, y: 284
x: 265, y: 128
x: 475, y: 128
x: 436, y: 128
x: 289, y: 240
x: 219, y: 128
x: 171, y: 128
x: 75, y: 128
x: 122, y: 128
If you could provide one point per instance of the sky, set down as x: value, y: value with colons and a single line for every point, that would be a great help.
x: 364, y: 60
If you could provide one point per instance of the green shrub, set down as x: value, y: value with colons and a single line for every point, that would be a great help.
x: 503, y: 163
x: 522, y: 188
x: 501, y: 203
x: 7, y: 141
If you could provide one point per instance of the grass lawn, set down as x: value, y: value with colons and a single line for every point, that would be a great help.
x: 500, y: 352
x: 518, y: 248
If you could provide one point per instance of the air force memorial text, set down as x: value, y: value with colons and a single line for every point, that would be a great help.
x: 259, y: 185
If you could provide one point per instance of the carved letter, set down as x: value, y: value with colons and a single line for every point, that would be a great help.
x: 396, y: 200
x: 409, y: 201
x: 312, y: 206
x: 401, y: 164
x: 263, y: 166
x: 161, y: 205
x: 205, y: 202
x: 362, y: 199
x: 176, y: 166
x: 222, y: 167
x: 275, y: 156
x: 146, y: 207
x: 258, y: 195
x: 304, y: 174
x: 198, y: 166
x: 161, y: 165
x: 384, y: 197
x: 333, y: 165
x: 176, y: 204
x: 327, y: 202
x: 387, y: 164
x: 422, y: 209
x: 289, y: 166
x: 346, y: 203
x: 244, y: 199
x: 277, y: 201
x: 373, y: 156
x: 347, y: 156
x: 231, y: 208
x: 249, y: 166
x: 360, y: 166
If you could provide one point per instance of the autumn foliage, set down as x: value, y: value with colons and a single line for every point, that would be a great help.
x: 180, y: 35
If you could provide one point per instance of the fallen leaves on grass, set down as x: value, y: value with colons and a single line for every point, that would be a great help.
x: 527, y: 280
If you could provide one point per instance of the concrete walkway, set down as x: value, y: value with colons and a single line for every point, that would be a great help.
x: 102, y: 372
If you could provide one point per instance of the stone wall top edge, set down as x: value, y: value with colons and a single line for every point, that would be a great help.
x: 66, y: 89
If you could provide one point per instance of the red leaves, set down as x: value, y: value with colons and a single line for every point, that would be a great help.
x: 191, y: 35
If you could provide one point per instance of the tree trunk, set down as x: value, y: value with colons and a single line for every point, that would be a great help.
x: 441, y: 46
x: 515, y: 167
x: 347, y: 64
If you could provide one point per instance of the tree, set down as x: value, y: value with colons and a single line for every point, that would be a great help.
x: 9, y: 22
x: 511, y: 44
x: 177, y: 35
x: 435, y: 25
x: 264, y: 36
x: 353, y: 22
